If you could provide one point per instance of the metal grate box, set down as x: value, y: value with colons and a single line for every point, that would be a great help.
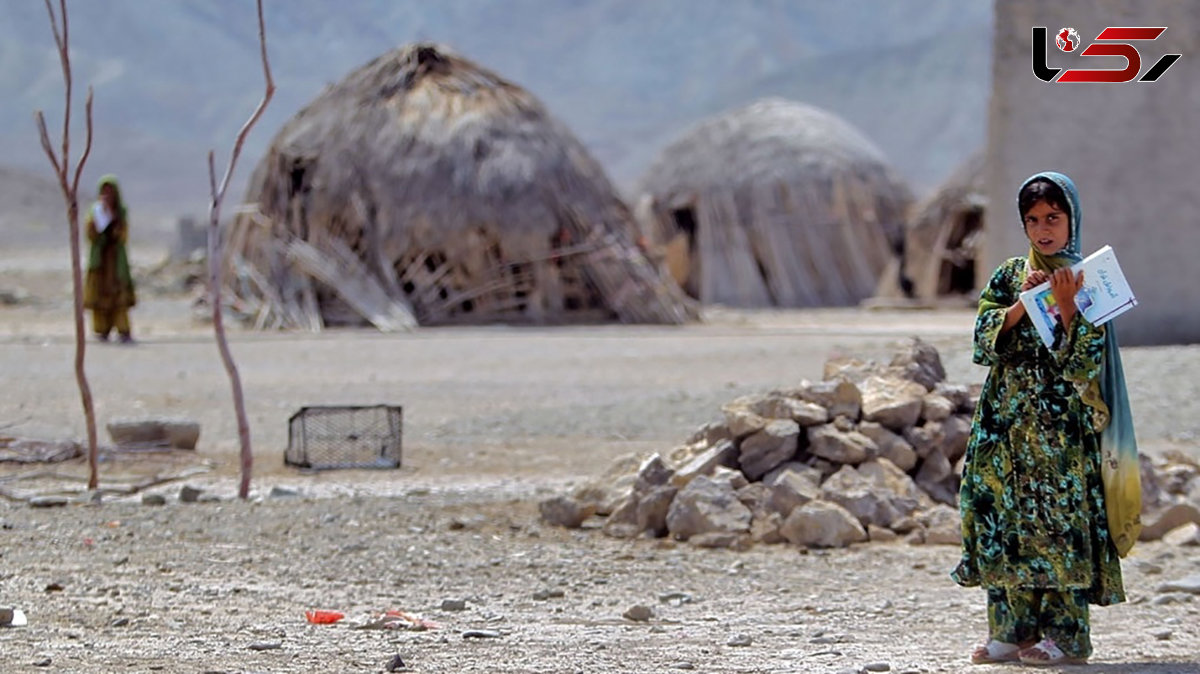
x: 345, y: 436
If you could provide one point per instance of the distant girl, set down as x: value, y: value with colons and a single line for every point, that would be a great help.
x: 109, y: 289
x: 1039, y: 532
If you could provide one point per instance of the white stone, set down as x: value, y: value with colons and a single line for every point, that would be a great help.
x: 828, y: 442
x: 892, y: 446
x: 724, y: 453
x: 564, y: 511
x: 920, y: 362
x: 742, y: 420
x: 1187, y: 535
x: 821, y: 524
x: 653, y: 472
x: 706, y: 505
x: 943, y: 526
x: 867, y: 499
x: 791, y: 489
x: 893, y: 402
x: 936, y: 408
x: 768, y: 448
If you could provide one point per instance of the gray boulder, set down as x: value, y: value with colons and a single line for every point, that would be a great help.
x: 565, y: 511
x: 724, y: 453
x: 766, y: 449
x: 893, y: 402
x: 840, y: 397
x: 823, y: 525
x: 828, y: 442
x: 892, y: 446
x: 707, y: 505
x: 919, y: 361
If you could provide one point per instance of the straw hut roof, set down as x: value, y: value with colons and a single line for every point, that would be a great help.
x: 944, y: 232
x: 774, y: 204
x: 424, y: 187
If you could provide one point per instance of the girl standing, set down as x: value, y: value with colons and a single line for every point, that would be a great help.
x: 1036, y: 532
x: 109, y: 289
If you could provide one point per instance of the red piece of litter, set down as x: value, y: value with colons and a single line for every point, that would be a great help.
x: 323, y: 617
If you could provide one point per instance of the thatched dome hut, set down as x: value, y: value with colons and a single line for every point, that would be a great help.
x: 424, y: 186
x: 943, y: 235
x: 775, y: 204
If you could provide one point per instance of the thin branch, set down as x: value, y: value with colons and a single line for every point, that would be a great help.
x: 58, y: 40
x: 41, y: 124
x: 212, y: 178
x: 215, y: 264
x: 64, y: 59
x: 87, y: 150
x: 70, y: 192
x: 270, y: 91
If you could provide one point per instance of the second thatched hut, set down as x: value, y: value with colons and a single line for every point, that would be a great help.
x: 425, y: 189
x: 775, y: 204
x: 943, y: 235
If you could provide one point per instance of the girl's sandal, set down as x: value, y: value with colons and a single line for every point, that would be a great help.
x: 1046, y: 653
x: 996, y: 651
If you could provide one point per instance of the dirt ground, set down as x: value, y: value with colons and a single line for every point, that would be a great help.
x: 496, y: 418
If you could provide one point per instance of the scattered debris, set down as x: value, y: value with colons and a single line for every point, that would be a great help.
x: 30, y: 450
x: 14, y: 296
x: 398, y: 620
x: 740, y: 641
x: 323, y: 617
x: 12, y: 617
x: 638, y: 613
x: 481, y: 634
x: 283, y: 492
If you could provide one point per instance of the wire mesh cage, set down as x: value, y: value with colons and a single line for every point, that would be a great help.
x: 345, y: 436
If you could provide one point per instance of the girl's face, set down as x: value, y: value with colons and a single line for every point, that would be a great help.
x: 108, y: 194
x: 1048, y: 228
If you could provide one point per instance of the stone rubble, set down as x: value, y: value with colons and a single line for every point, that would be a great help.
x: 872, y: 452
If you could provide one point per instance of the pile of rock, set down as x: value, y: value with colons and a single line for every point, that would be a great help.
x: 871, y: 452
x: 1171, y: 499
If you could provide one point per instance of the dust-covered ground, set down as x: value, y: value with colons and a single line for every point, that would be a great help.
x: 496, y: 418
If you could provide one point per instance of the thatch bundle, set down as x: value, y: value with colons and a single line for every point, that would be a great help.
x: 943, y: 235
x: 775, y: 204
x: 424, y: 186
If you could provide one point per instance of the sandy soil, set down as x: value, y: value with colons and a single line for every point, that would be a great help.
x: 495, y: 419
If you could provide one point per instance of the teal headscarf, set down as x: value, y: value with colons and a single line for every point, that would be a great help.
x: 1108, y: 396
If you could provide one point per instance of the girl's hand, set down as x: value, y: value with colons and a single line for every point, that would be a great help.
x: 1066, y: 284
x: 1035, y: 278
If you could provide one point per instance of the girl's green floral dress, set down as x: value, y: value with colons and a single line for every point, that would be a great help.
x: 1031, y: 499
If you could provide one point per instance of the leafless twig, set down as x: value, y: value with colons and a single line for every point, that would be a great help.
x: 215, y: 266
x: 70, y: 188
